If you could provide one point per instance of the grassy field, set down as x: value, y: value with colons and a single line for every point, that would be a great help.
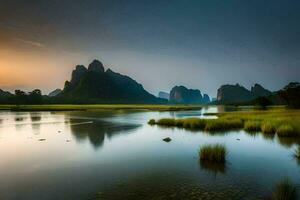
x: 67, y: 107
x: 284, y: 122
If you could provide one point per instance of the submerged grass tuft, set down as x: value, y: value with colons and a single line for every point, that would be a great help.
x: 213, y: 153
x: 285, y: 190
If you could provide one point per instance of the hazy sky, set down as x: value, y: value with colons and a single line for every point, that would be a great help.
x: 196, y: 43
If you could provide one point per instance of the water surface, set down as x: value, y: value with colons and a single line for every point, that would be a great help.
x: 117, y: 155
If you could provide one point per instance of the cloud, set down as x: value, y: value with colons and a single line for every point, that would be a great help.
x: 29, y: 42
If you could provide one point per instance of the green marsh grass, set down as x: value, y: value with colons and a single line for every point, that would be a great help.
x: 213, y: 153
x: 151, y: 122
x: 286, y: 130
x: 252, y: 126
x: 268, y: 127
x: 284, y: 122
x: 166, y: 122
x: 223, y: 125
x: 191, y: 123
x: 285, y: 190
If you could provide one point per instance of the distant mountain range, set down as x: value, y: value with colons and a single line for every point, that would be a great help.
x: 94, y: 84
x: 237, y: 93
x: 181, y: 94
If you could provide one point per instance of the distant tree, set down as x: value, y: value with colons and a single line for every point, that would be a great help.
x: 35, y: 97
x: 262, y: 102
x: 291, y: 94
x: 20, y: 97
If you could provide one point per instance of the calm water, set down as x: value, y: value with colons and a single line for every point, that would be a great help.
x: 117, y: 155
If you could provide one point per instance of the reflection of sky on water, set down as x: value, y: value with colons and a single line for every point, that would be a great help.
x: 88, y: 152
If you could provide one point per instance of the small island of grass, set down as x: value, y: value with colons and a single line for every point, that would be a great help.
x: 213, y: 153
x: 284, y: 122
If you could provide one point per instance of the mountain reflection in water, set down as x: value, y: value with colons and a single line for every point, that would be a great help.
x: 97, y: 130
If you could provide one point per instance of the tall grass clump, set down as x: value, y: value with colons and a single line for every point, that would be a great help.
x: 252, y: 126
x: 223, y: 124
x: 213, y: 153
x: 286, y: 130
x: 268, y: 127
x: 189, y: 123
x: 285, y: 190
x: 151, y: 122
x: 194, y: 123
x: 166, y: 122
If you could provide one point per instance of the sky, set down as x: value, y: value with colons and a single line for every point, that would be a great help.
x: 200, y: 44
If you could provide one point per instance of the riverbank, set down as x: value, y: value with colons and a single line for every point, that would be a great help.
x: 71, y: 107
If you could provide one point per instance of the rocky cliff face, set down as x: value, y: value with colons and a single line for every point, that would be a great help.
x: 180, y: 94
x: 237, y: 93
x: 258, y: 91
x: 95, y: 85
x: 206, y: 98
x: 54, y: 93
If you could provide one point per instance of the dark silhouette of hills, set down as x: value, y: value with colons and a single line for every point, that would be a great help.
x: 206, y: 98
x: 237, y: 93
x: 54, y: 92
x: 4, y: 94
x: 95, y: 85
x: 259, y: 91
x: 181, y: 94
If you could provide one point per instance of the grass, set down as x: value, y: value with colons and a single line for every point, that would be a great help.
x: 252, y: 126
x: 166, y: 122
x: 286, y: 130
x: 67, y: 107
x: 284, y: 122
x: 213, y: 153
x: 285, y: 190
x: 268, y: 127
x: 223, y: 124
x: 199, y: 124
x: 151, y: 121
